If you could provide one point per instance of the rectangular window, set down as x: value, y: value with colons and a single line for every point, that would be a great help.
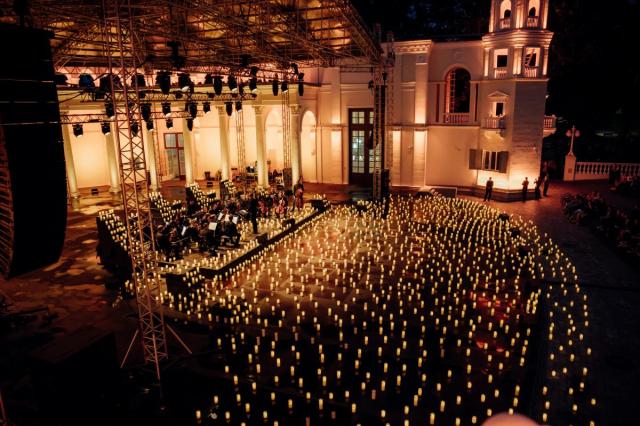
x: 490, y: 160
x: 357, y: 151
x: 498, y: 109
x: 501, y: 61
x: 531, y: 57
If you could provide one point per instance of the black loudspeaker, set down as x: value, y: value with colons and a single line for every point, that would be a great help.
x: 262, y: 238
x: 33, y: 187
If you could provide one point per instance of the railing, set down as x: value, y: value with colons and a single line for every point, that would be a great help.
x: 456, y: 117
x: 532, y: 21
x: 494, y: 123
x: 549, y: 121
x: 594, y: 171
x: 531, y: 72
x: 500, y: 72
x: 505, y: 23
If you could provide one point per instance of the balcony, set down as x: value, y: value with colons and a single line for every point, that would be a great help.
x: 500, y: 72
x: 531, y: 72
x: 494, y: 123
x: 549, y: 122
x: 532, y: 21
x: 505, y: 23
x: 456, y: 118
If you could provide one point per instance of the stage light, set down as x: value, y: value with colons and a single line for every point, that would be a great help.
x: 166, y: 109
x: 177, y: 94
x: 241, y: 89
x: 244, y: 60
x: 190, y: 124
x: 163, y: 80
x: 109, y: 110
x: 206, y: 107
x: 274, y: 86
x: 232, y: 83
x: 145, y: 111
x: 185, y: 83
x: 105, y: 127
x: 238, y: 106
x: 78, y: 130
x: 229, y: 107
x: 284, y: 87
x: 295, y: 68
x: 86, y: 82
x: 193, y: 109
x: 138, y: 80
x: 60, y: 79
x: 253, y: 85
x: 135, y: 127
x: 254, y: 71
x: 208, y: 79
x: 150, y: 125
x: 169, y: 123
x: 217, y: 85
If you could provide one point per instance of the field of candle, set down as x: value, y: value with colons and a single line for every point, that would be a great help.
x: 443, y: 312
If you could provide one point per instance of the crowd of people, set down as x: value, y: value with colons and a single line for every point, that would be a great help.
x: 619, y: 227
x: 220, y: 222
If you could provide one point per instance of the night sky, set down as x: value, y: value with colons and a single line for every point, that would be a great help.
x: 594, y: 80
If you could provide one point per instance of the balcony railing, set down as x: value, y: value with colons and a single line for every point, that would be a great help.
x: 456, y: 117
x: 505, y: 23
x: 532, y: 21
x: 531, y: 72
x: 494, y: 123
x: 593, y: 171
x: 549, y: 122
x: 500, y: 72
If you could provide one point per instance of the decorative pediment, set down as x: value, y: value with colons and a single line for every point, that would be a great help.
x: 498, y: 95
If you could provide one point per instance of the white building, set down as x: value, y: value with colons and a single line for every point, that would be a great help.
x: 462, y: 111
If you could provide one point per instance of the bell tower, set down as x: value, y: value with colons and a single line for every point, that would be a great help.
x: 513, y: 89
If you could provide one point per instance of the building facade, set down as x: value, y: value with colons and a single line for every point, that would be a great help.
x: 460, y: 111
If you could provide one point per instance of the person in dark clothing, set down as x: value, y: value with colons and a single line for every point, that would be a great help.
x: 488, y: 190
x: 525, y: 188
x: 537, y: 183
x: 545, y: 185
x: 253, y: 212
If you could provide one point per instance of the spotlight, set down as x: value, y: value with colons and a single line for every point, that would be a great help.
x: 166, y: 109
x: 163, y: 80
x: 150, y: 125
x: 217, y: 85
x: 232, y: 83
x: 60, y: 79
x: 229, y: 107
x: 193, y: 109
x: 138, y: 80
x: 244, y: 60
x: 185, y: 83
x: 86, y: 82
x: 78, y: 130
x: 135, y: 127
x: 238, y: 106
x: 109, y: 110
x: 206, y: 107
x: 190, y: 124
x: 145, y: 111
x: 274, y: 86
x: 105, y: 127
x: 254, y: 71
x: 253, y: 85
x: 241, y: 89
x: 169, y: 123
x: 284, y: 87
x: 177, y: 94
x: 208, y: 79
x: 295, y: 68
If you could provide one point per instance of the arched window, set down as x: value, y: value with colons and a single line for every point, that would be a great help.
x: 458, y: 94
x: 532, y: 16
x: 505, y: 14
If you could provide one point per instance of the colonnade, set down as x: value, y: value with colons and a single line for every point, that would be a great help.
x: 189, y: 152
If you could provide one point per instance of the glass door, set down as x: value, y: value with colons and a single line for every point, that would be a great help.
x: 174, y: 149
x: 361, y: 146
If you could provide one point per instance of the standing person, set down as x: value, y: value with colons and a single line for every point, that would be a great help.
x: 537, y: 182
x: 488, y: 190
x: 545, y: 185
x: 253, y: 212
x: 525, y: 188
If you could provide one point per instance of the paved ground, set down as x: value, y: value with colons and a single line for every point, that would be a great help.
x: 74, y: 291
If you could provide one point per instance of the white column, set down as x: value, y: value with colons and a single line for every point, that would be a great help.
x: 69, y: 164
x: 224, y: 143
x: 151, y: 159
x: 112, y: 159
x: 295, y: 143
x: 261, y: 148
x: 188, y: 153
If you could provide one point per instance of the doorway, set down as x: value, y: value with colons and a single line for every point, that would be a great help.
x: 174, y: 148
x: 361, y: 146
